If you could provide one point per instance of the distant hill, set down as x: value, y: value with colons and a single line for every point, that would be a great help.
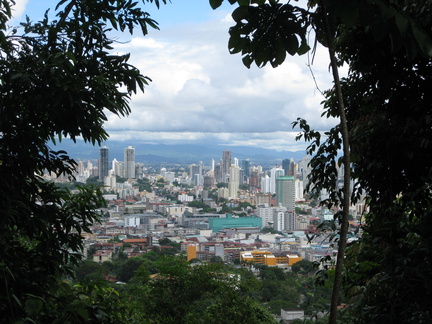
x: 177, y: 154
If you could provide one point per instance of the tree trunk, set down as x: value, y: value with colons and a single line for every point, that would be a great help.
x: 347, y: 172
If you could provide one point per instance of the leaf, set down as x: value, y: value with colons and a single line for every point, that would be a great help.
x: 33, y: 306
x: 215, y: 3
x: 240, y: 13
x: 82, y: 312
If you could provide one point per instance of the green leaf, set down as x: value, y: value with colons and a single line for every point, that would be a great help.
x: 33, y: 306
x: 82, y: 312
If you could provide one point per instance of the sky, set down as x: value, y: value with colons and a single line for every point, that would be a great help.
x: 202, y: 94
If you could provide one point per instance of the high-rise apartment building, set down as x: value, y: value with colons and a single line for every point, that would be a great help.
x: 285, y: 192
x: 274, y: 174
x: 103, y: 163
x: 234, y: 180
x: 129, y: 162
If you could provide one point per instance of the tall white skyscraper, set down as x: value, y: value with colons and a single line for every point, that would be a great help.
x: 265, y: 184
x: 129, y: 162
x: 274, y: 173
x: 234, y: 181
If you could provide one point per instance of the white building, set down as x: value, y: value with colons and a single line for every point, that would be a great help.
x: 266, y: 214
x: 279, y: 219
x: 274, y: 174
x: 299, y: 190
x: 234, y: 181
x: 129, y: 162
x: 285, y: 192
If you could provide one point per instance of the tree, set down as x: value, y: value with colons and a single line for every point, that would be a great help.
x: 222, y: 185
x: 88, y: 267
x: 144, y: 184
x: 182, y: 293
x: 58, y: 79
x: 303, y: 267
x: 372, y: 37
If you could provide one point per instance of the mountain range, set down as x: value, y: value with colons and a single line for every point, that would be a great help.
x: 165, y: 154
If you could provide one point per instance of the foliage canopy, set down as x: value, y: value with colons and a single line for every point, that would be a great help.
x: 58, y: 78
x: 387, y: 46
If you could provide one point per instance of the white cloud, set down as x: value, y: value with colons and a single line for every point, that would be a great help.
x: 199, y: 88
x: 200, y: 93
x: 19, y: 8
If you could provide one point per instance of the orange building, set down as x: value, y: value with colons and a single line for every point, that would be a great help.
x: 191, y: 251
x: 268, y: 258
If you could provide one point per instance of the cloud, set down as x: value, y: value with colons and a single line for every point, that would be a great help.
x: 201, y: 94
x: 19, y: 8
x: 281, y: 141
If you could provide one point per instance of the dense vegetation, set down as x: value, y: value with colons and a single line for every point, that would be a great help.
x: 166, y: 289
x: 384, y: 132
x: 57, y: 79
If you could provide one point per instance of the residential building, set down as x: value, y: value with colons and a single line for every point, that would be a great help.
x: 285, y: 192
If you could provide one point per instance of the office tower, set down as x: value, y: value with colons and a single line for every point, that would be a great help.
x: 103, y: 163
x: 241, y: 176
x: 226, y: 164
x: 290, y: 167
x: 246, y: 171
x: 285, y: 192
x: 129, y: 162
x: 286, y: 166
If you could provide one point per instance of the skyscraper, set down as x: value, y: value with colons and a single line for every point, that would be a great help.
x: 103, y: 163
x: 274, y: 173
x: 289, y: 167
x: 286, y: 166
x: 129, y: 162
x: 226, y: 164
x: 233, y: 184
x: 246, y: 166
x: 285, y: 192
